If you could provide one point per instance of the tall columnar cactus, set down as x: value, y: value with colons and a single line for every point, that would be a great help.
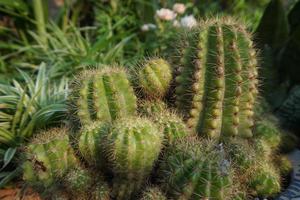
x: 154, y: 77
x: 133, y: 145
x: 47, y: 158
x: 216, y: 82
x: 90, y: 143
x: 196, y: 170
x: 102, y: 94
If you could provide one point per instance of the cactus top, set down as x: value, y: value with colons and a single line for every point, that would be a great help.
x: 103, y: 94
x: 216, y: 83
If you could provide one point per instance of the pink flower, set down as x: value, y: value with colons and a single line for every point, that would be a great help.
x: 165, y: 14
x: 179, y: 8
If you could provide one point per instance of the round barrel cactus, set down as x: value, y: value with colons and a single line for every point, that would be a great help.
x: 196, y: 170
x: 153, y: 193
x: 216, y: 82
x: 169, y: 122
x: 154, y: 77
x: 133, y: 146
x: 103, y: 94
x: 90, y: 143
x: 47, y: 158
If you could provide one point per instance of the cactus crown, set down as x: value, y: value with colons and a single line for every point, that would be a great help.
x: 216, y: 79
x: 103, y: 94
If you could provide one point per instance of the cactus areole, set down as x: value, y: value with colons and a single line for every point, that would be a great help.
x: 216, y: 82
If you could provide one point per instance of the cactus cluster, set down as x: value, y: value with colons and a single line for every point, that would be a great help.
x: 129, y: 133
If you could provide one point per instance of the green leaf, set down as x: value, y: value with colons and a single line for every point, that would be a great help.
x: 273, y: 28
x: 8, y: 156
x: 8, y: 176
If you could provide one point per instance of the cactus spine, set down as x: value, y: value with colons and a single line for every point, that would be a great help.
x: 47, y: 159
x: 216, y: 81
x: 103, y: 94
x: 154, y: 77
x: 133, y: 146
x: 195, y: 170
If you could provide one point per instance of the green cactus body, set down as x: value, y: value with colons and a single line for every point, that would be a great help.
x: 216, y: 81
x: 194, y: 170
x: 90, y: 143
x: 133, y: 146
x: 267, y: 131
x: 102, y: 95
x: 153, y: 193
x: 284, y: 165
x: 47, y: 158
x: 167, y: 120
x: 265, y: 181
x: 155, y: 77
x: 101, y: 191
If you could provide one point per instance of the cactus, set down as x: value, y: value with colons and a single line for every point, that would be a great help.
x: 78, y: 182
x: 47, y: 158
x: 196, y: 170
x: 103, y: 95
x: 267, y: 131
x: 81, y: 184
x: 168, y: 121
x: 133, y: 145
x: 101, y: 191
x: 151, y: 108
x: 153, y: 193
x: 216, y: 81
x: 265, y: 181
x: 154, y: 78
x: 90, y: 143
x: 284, y: 165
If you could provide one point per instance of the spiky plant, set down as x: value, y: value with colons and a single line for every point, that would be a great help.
x: 83, y: 184
x: 133, y: 145
x: 90, y: 143
x: 29, y: 105
x: 47, y: 158
x: 195, y: 169
x: 216, y: 83
x: 265, y: 181
x: 153, y: 193
x: 154, y: 77
x: 103, y: 94
x: 169, y: 121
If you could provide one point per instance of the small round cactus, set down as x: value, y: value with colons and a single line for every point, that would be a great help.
x: 90, y: 142
x: 153, y: 193
x: 216, y: 82
x: 265, y: 181
x: 168, y: 121
x: 78, y: 182
x: 151, y: 108
x: 196, y: 170
x: 133, y: 146
x: 103, y: 94
x: 268, y: 131
x: 284, y: 165
x: 47, y: 158
x: 154, y: 77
